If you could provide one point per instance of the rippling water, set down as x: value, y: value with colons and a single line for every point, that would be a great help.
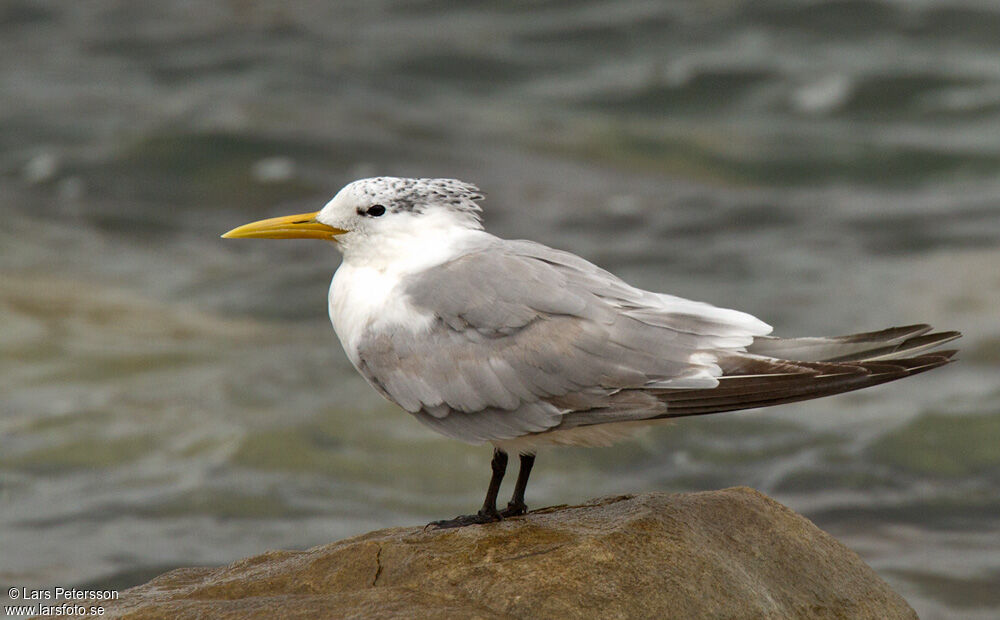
x: 170, y: 399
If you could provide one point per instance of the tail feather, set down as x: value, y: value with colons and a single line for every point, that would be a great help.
x: 908, y: 348
x: 892, y: 343
x: 754, y: 380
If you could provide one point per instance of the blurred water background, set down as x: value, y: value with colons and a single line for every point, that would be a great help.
x: 171, y: 399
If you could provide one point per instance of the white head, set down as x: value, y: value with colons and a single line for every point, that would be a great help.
x: 380, y: 212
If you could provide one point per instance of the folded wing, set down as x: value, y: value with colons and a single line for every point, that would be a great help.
x: 525, y: 336
x: 530, y: 340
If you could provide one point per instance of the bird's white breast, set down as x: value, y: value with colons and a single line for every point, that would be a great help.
x: 367, y: 292
x: 363, y: 297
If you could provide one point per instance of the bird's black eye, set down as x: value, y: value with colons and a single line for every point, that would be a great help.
x: 375, y: 210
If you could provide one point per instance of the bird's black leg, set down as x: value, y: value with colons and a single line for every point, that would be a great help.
x: 488, y: 513
x: 499, y: 467
x: 516, y: 506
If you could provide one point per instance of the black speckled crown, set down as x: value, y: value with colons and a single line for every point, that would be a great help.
x: 400, y: 195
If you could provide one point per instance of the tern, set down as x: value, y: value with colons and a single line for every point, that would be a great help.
x: 523, y: 346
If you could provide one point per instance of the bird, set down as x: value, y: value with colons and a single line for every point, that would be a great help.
x: 523, y: 346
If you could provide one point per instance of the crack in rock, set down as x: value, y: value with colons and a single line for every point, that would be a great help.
x: 378, y: 565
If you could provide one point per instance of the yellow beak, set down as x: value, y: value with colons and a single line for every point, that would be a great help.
x: 303, y: 226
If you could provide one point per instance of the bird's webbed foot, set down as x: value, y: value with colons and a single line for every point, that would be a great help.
x: 483, y: 516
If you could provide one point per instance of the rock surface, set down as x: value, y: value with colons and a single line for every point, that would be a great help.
x: 733, y: 553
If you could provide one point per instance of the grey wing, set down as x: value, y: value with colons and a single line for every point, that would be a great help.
x: 523, y: 335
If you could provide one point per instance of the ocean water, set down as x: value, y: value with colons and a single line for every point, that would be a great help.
x: 171, y: 399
